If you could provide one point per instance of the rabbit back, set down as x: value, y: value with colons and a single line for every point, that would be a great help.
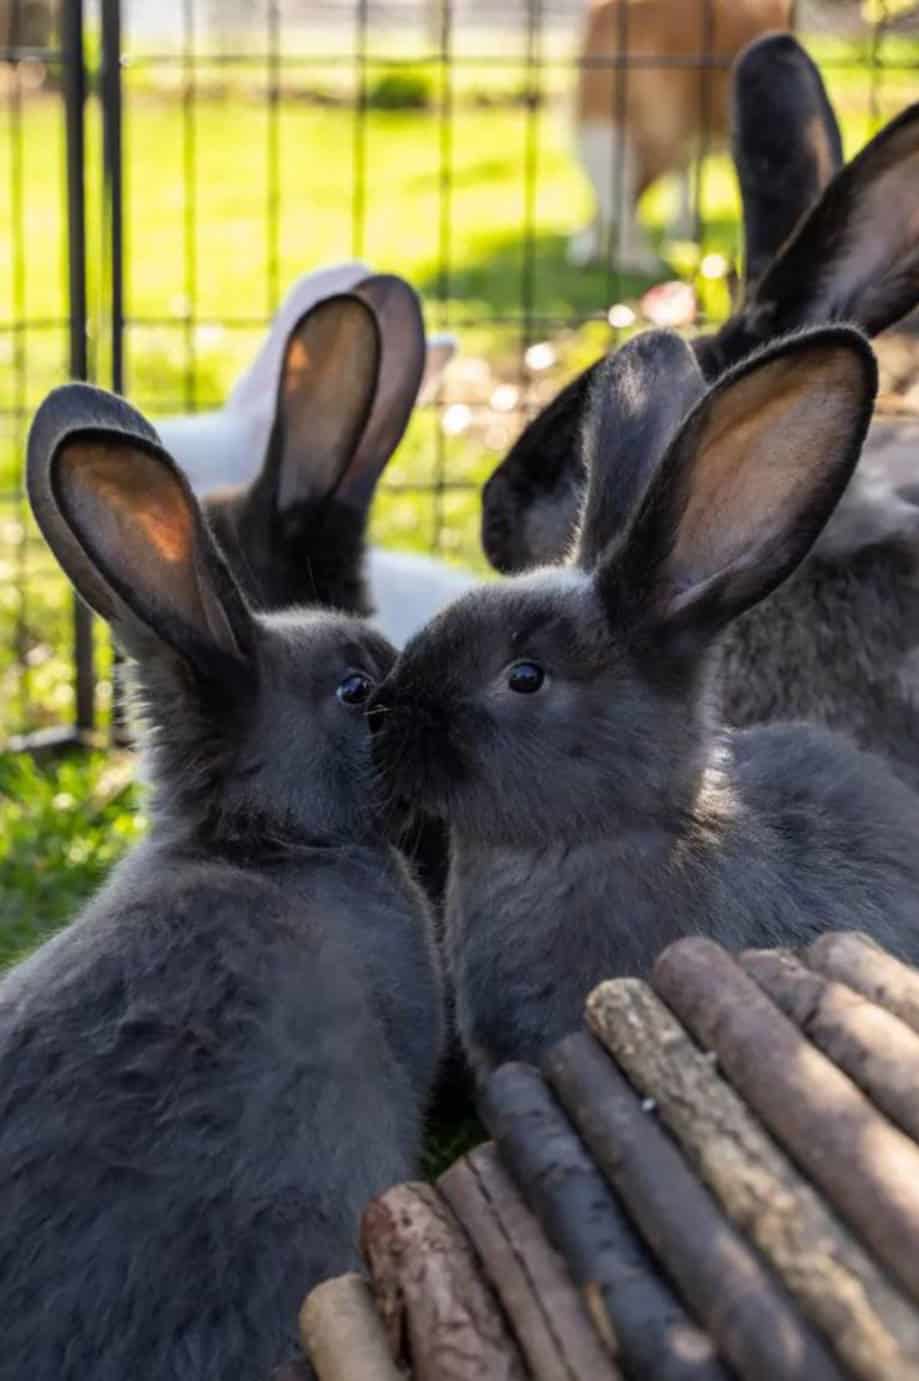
x: 833, y: 645
x: 185, y: 1074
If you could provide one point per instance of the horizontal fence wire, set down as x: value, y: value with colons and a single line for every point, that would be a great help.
x: 242, y: 145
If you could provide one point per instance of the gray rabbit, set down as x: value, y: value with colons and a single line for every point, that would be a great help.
x: 837, y: 642
x: 350, y: 373
x: 561, y: 721
x: 205, y: 1077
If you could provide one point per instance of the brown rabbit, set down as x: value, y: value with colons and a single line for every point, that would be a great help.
x: 633, y: 127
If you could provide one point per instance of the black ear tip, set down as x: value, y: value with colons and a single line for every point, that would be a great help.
x: 388, y: 283
x: 389, y: 296
x: 848, y: 340
x: 74, y: 409
x: 81, y: 407
x: 844, y: 337
x: 658, y: 353
x: 769, y: 47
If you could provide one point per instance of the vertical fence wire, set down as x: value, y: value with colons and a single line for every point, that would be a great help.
x: 444, y: 245
x: 707, y: 73
x: 534, y: 96
x: 273, y: 158
x: 113, y: 212
x: 113, y: 184
x: 20, y: 365
x: 359, y: 138
x: 189, y: 180
x: 619, y: 77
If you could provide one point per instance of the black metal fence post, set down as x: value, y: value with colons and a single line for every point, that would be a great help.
x: 113, y: 204
x: 74, y: 82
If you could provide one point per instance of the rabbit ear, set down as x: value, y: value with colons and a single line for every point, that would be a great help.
x: 786, y: 143
x: 326, y: 390
x: 640, y: 396
x: 351, y: 373
x: 745, y: 488
x: 855, y: 256
x: 120, y: 517
x: 398, y: 316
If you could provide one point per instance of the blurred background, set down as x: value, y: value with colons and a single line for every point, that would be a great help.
x: 167, y: 170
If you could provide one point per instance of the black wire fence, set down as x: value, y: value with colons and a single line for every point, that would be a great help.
x: 168, y: 170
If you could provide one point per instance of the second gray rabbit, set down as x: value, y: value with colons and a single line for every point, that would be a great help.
x: 562, y: 723
x: 205, y: 1077
x: 837, y: 643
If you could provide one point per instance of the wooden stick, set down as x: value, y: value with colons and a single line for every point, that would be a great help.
x: 856, y: 960
x: 753, y: 1321
x: 873, y: 1329
x: 549, y: 1320
x: 438, y: 1311
x: 343, y: 1335
x: 875, y: 1048
x: 866, y: 1166
x: 631, y: 1304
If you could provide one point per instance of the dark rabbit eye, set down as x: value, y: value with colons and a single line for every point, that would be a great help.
x: 525, y: 677
x: 355, y: 689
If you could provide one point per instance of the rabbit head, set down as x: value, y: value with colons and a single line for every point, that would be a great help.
x: 254, y: 724
x: 824, y: 243
x: 572, y: 700
x: 351, y: 370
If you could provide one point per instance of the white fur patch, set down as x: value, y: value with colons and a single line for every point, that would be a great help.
x: 608, y: 157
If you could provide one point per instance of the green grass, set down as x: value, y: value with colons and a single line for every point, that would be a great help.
x: 62, y: 825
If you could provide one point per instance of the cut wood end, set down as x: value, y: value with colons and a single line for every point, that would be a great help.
x: 343, y: 1334
x: 613, y: 1000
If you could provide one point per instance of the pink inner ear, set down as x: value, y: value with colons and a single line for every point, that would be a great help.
x: 771, y: 442
x: 328, y: 380
x: 127, y: 499
x: 135, y: 523
x: 887, y: 225
x: 296, y: 366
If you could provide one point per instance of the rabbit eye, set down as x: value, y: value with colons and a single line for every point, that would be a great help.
x: 525, y: 677
x: 355, y: 689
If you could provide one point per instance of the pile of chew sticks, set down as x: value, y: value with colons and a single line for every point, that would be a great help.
x: 718, y: 1178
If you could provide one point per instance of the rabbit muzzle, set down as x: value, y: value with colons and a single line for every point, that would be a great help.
x: 408, y: 743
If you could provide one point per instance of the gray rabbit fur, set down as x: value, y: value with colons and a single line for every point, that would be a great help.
x: 350, y: 375
x: 205, y: 1077
x: 562, y: 722
x: 837, y: 642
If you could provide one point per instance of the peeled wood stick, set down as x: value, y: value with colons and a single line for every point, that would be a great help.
x: 631, y: 1304
x: 873, y: 1329
x: 546, y: 1313
x: 432, y: 1297
x: 753, y: 1321
x: 867, y: 1167
x: 875, y: 1048
x: 343, y: 1335
x: 855, y: 959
